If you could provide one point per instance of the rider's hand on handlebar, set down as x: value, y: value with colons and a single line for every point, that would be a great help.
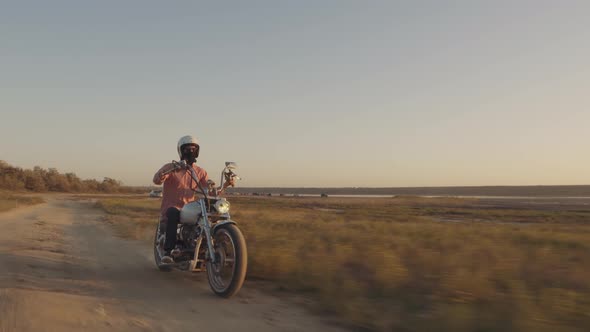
x: 230, y: 181
x: 180, y: 164
x: 175, y: 165
x: 168, y: 168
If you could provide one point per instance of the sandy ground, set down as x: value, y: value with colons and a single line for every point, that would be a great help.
x: 62, y: 269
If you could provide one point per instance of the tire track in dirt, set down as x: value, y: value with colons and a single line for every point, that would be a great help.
x: 64, y: 270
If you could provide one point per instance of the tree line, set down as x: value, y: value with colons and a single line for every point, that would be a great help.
x: 43, y: 180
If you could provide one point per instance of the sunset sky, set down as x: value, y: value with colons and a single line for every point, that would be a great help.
x: 301, y: 93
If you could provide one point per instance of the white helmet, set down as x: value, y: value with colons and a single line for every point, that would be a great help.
x: 188, y: 139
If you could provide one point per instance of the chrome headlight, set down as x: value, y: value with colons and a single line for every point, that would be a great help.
x: 222, y: 206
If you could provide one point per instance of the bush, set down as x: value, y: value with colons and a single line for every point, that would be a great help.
x: 41, y: 180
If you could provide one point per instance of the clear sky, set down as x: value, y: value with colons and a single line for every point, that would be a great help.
x: 301, y: 93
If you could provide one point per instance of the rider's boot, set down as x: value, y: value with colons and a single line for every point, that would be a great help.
x: 167, y: 258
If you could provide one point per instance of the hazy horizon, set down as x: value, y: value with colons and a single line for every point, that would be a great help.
x: 336, y: 187
x: 306, y: 94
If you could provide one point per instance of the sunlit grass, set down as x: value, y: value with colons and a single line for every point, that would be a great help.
x: 134, y: 218
x: 391, y: 264
x: 10, y: 200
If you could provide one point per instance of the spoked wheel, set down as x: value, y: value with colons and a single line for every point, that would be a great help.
x: 227, y: 274
x: 159, y: 240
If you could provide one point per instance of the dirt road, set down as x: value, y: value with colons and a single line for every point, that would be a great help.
x: 62, y: 269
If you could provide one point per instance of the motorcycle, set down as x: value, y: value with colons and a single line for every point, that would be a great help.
x: 207, y: 238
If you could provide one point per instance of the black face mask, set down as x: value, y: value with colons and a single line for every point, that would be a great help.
x: 189, y: 158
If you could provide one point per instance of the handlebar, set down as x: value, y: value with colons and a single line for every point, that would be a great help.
x: 178, y: 165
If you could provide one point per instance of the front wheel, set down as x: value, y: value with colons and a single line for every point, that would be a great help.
x: 226, y: 276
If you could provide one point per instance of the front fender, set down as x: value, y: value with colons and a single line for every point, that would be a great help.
x: 220, y: 224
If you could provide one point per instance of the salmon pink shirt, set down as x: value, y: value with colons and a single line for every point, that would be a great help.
x: 178, y: 187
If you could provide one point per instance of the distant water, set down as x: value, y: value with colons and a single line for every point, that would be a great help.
x: 498, y: 192
x: 450, y: 196
x: 359, y: 196
x: 512, y: 197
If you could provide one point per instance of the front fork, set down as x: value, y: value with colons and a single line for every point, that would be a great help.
x: 207, y: 228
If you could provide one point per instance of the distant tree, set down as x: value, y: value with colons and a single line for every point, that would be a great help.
x: 34, y: 181
x: 74, y: 183
x: 56, y: 181
x: 39, y: 180
x: 11, y: 178
x: 109, y: 185
x: 90, y: 185
x: 42, y: 173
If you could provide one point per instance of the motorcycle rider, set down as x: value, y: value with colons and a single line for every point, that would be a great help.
x: 179, y: 189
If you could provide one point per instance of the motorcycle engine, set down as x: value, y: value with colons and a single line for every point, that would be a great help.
x: 188, y: 234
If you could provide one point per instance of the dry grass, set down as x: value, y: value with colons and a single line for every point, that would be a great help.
x: 388, y: 264
x: 9, y: 200
x: 132, y: 217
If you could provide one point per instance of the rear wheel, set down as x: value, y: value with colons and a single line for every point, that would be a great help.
x: 159, y: 240
x: 226, y: 276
